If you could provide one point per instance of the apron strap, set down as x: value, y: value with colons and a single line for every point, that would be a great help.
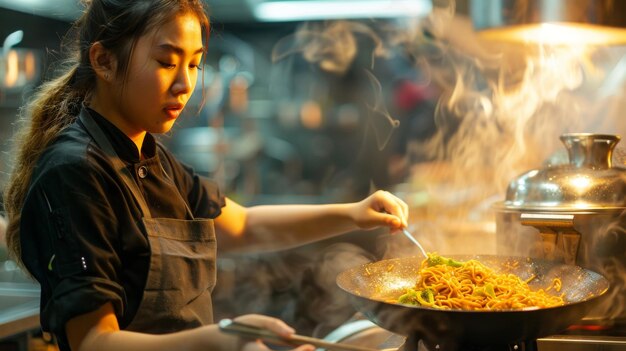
x: 97, y: 134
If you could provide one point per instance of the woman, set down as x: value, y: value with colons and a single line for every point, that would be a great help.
x: 120, y: 235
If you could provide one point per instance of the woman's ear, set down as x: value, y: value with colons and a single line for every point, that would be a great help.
x: 102, y: 61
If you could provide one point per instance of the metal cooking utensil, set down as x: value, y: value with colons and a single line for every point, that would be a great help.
x: 412, y: 238
x: 254, y: 332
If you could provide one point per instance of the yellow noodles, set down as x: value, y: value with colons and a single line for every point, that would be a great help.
x: 448, y: 284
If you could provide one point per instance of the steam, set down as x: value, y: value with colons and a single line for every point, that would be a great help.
x: 294, y: 286
x: 500, y: 112
x: 379, y: 109
x: 332, y: 45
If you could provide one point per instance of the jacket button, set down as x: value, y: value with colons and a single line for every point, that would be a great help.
x: 142, y: 172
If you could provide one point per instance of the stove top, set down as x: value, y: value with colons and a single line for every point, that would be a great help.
x: 552, y: 343
x: 581, y: 343
x: 588, y: 335
x: 584, y: 337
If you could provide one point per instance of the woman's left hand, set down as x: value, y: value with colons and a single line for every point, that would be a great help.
x: 381, y: 209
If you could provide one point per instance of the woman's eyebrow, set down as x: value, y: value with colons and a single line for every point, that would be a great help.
x: 178, y: 49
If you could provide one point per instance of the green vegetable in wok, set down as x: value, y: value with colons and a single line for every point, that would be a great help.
x: 424, y: 297
x: 434, y: 260
x: 485, y: 290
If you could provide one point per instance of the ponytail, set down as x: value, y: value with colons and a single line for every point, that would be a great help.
x: 53, y: 108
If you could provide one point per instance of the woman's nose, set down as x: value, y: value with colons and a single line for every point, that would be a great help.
x: 184, y: 82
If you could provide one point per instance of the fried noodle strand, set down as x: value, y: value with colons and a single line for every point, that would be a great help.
x: 471, y: 285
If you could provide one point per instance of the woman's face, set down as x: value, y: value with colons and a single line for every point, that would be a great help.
x: 162, y: 75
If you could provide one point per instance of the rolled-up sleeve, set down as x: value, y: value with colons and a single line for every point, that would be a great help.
x: 209, y: 200
x: 70, y: 243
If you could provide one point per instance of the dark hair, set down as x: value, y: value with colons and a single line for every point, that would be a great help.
x: 117, y: 24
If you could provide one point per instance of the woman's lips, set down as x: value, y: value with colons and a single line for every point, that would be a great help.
x: 173, y: 111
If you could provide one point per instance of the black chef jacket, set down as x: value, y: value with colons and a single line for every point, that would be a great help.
x: 81, y: 231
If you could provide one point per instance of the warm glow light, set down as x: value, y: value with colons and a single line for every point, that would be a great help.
x: 29, y: 65
x: 12, y: 69
x: 557, y: 33
x: 311, y: 115
x: 239, y: 94
x: 18, y: 67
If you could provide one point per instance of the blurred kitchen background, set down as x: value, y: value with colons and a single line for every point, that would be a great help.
x: 276, y: 127
x: 327, y: 101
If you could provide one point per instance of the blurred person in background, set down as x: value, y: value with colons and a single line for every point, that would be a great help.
x: 120, y: 235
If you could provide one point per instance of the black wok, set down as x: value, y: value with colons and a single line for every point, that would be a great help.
x: 371, y: 286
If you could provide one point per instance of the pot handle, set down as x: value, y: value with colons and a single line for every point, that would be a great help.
x: 560, y: 241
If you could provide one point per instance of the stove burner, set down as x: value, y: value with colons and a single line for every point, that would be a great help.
x: 588, y: 335
x: 598, y: 327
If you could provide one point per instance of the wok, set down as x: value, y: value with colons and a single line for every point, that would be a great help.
x: 372, y: 285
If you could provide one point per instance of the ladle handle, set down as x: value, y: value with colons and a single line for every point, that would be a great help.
x: 412, y: 238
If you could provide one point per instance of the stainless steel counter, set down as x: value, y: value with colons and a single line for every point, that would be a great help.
x: 19, y: 308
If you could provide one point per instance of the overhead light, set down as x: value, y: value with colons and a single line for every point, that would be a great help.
x: 12, y: 40
x: 597, y: 22
x: 304, y: 10
x: 10, y: 71
x: 558, y: 33
x: 18, y: 66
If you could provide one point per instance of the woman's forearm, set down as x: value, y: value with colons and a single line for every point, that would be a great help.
x: 204, y: 338
x: 281, y: 226
x: 99, y: 330
x: 295, y: 225
x: 290, y: 225
x: 273, y: 227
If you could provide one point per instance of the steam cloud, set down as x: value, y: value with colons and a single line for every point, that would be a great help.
x: 500, y: 112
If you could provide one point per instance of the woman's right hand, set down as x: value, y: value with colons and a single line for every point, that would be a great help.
x: 380, y: 209
x: 273, y: 324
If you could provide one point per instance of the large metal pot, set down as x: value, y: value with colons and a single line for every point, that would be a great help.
x: 572, y: 212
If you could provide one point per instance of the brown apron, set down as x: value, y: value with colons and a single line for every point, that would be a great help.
x: 182, y: 273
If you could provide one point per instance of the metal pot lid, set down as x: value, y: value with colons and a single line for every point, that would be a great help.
x: 588, y: 181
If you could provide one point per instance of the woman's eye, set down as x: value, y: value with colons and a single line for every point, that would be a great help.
x: 198, y: 67
x: 166, y: 65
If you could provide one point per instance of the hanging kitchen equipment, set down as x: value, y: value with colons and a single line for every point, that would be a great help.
x: 571, y: 213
